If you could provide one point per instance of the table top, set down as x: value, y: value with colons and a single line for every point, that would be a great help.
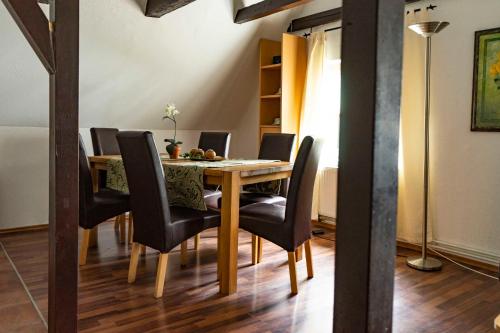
x: 246, y: 170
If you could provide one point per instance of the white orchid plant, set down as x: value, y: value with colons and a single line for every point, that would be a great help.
x: 170, y: 112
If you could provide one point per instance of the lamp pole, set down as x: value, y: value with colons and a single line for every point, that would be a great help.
x: 426, y: 30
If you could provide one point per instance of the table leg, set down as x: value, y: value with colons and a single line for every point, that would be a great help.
x: 228, y: 258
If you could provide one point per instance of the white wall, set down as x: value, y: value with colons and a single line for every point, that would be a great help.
x: 465, y: 178
x: 24, y: 176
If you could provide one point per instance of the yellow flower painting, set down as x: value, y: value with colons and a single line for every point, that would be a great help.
x: 486, y: 86
x: 495, y: 68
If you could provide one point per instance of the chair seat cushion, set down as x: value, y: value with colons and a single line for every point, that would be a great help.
x: 266, y: 213
x: 106, y: 204
x: 266, y: 221
x: 187, y: 222
x: 212, y: 198
x: 207, y: 218
x: 248, y: 198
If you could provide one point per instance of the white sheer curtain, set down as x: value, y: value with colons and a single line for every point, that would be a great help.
x: 321, y: 103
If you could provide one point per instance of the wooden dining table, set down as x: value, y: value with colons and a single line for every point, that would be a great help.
x: 230, y: 178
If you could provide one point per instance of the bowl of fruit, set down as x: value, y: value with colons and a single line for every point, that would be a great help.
x: 197, y: 154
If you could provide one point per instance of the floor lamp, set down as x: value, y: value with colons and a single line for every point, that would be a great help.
x: 426, y: 30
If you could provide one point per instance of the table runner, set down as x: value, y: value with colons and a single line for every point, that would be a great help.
x: 272, y: 187
x: 184, y: 179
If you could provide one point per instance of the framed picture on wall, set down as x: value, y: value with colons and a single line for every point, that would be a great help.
x: 486, y: 85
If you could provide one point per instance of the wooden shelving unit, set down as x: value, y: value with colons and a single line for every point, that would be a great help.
x: 282, y: 85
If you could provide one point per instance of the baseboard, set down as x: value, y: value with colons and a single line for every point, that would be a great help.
x: 320, y: 224
x: 462, y: 255
x: 39, y: 227
x: 487, y: 258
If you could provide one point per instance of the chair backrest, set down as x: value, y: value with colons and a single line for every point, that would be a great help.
x: 276, y: 146
x: 300, y: 193
x: 147, y: 187
x: 218, y: 141
x: 86, y: 191
x: 104, y: 141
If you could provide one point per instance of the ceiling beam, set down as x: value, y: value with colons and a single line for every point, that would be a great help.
x: 158, y: 8
x: 326, y: 17
x: 265, y: 8
x: 306, y: 22
x: 35, y: 27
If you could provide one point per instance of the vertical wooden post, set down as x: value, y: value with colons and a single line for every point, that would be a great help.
x: 63, y: 219
x: 369, y: 135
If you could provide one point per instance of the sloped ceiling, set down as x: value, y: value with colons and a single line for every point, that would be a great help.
x: 132, y: 65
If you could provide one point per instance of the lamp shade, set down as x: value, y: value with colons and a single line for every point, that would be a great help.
x: 427, y: 29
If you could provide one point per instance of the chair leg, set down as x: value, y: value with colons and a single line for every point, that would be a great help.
x: 122, y: 229
x: 130, y: 227
x: 160, y: 274
x: 117, y: 222
x: 293, y: 272
x: 197, y: 242
x: 310, y: 271
x: 260, y: 242
x: 298, y: 253
x: 143, y: 250
x: 93, y: 236
x: 134, y: 259
x: 255, y: 249
x: 84, y: 247
x: 184, y: 253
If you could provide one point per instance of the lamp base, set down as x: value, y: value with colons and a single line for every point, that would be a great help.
x: 427, y: 265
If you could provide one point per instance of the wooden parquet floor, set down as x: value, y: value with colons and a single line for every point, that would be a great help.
x: 454, y: 300
x: 17, y: 313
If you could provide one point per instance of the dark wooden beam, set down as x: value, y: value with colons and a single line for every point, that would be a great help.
x: 158, y: 8
x: 368, y: 165
x: 311, y: 21
x: 63, y: 197
x: 265, y: 8
x: 326, y: 17
x: 35, y: 27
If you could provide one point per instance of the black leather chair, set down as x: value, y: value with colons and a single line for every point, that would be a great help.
x: 104, y: 143
x: 156, y: 224
x: 218, y: 141
x: 95, y: 208
x: 288, y: 226
x: 274, y: 146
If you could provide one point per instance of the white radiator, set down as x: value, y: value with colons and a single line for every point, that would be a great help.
x: 328, y: 193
